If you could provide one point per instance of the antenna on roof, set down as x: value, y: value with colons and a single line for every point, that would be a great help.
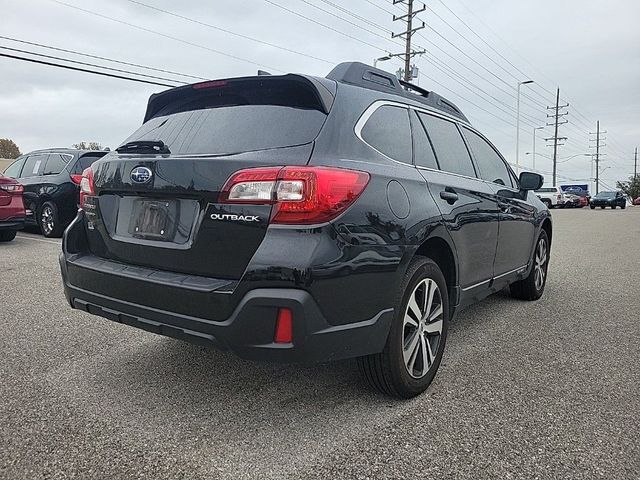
x: 262, y: 73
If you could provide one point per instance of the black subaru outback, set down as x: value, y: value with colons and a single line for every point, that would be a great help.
x: 302, y: 219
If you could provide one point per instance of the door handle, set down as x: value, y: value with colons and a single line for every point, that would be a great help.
x: 449, y: 196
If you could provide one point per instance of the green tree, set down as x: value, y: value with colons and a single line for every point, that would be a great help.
x: 631, y: 188
x: 87, y: 146
x: 8, y: 148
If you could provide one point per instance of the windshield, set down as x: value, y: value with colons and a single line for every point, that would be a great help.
x: 606, y: 195
x: 234, y: 129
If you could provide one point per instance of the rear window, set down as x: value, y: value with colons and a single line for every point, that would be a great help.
x: 546, y: 190
x: 232, y: 129
x: 84, y: 162
x: 13, y: 170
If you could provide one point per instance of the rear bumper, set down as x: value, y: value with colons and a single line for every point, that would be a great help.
x: 249, y: 331
x: 12, y: 224
x: 240, y: 316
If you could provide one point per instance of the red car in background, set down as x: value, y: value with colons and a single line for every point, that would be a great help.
x: 12, y: 212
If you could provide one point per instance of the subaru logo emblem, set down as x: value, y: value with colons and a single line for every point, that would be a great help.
x: 141, y: 175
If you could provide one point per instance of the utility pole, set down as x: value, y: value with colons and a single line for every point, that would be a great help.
x: 557, y: 114
x: 599, y: 138
x: 533, y: 167
x: 635, y: 165
x: 407, y: 34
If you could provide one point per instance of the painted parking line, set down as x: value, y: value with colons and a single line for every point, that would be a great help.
x: 43, y: 240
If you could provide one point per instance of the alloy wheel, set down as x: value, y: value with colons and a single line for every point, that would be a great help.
x: 47, y: 221
x: 422, y: 328
x: 540, y: 264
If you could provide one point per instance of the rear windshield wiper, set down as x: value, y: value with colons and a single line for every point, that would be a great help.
x: 144, y: 146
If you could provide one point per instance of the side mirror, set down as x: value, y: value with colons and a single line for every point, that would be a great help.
x: 531, y: 181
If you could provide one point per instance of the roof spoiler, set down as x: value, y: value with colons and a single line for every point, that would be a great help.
x: 312, y: 92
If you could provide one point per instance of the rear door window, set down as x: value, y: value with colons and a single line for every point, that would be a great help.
x: 388, y: 131
x: 34, y: 166
x: 56, y: 163
x: 14, y: 169
x: 422, y: 149
x: 490, y: 165
x: 450, y: 149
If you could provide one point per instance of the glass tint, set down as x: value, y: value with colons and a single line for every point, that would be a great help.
x: 490, y: 165
x: 423, y: 152
x: 235, y: 129
x: 55, y: 163
x: 84, y: 162
x: 388, y: 131
x: 451, y: 152
x: 13, y: 170
x: 34, y: 166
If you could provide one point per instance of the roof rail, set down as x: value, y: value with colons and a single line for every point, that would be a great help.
x: 366, y: 76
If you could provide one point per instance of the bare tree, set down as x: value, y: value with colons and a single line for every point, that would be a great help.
x: 87, y: 146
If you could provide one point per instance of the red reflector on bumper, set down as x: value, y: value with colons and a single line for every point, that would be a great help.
x: 284, y: 327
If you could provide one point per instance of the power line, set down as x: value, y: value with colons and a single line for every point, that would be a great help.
x: 170, y: 37
x: 355, y: 15
x: 52, y: 57
x: 97, y: 57
x: 460, y: 79
x: 577, y: 112
x: 77, y: 69
x: 230, y: 32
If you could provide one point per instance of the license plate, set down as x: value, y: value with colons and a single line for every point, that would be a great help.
x: 154, y: 219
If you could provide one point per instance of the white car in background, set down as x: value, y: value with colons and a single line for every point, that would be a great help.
x: 552, y: 197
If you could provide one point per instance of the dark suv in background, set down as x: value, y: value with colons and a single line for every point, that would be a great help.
x: 303, y: 219
x: 51, y: 180
x: 609, y: 199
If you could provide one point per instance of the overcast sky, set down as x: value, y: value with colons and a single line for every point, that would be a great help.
x: 591, y: 49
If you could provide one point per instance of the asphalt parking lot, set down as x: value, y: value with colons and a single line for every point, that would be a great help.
x: 527, y: 390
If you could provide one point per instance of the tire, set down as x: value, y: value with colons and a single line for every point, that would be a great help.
x: 389, y: 371
x: 592, y: 207
x: 49, y: 221
x: 7, y: 235
x: 623, y: 206
x: 532, y: 287
x: 602, y: 207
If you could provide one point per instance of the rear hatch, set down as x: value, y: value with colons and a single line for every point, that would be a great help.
x: 155, y: 200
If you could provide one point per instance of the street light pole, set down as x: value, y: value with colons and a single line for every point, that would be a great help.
x: 381, y: 59
x: 518, y: 126
x: 534, y: 146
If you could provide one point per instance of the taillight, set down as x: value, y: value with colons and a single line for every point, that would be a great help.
x: 559, y: 197
x: 76, y: 179
x: 299, y: 195
x: 86, y: 186
x: 209, y: 84
x: 13, y: 188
